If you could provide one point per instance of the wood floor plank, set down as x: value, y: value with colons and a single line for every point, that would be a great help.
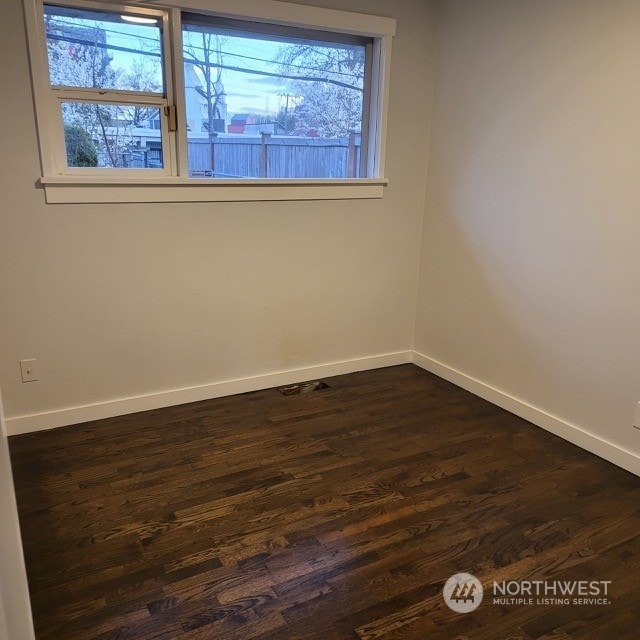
x: 333, y: 515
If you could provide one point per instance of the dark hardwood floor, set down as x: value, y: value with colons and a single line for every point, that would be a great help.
x: 330, y: 515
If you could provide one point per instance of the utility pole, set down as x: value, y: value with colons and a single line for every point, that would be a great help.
x: 286, y: 114
x: 286, y: 110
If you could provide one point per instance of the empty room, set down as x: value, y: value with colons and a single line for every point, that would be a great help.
x: 319, y: 320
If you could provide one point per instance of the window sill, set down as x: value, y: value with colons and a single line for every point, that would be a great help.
x: 87, y: 189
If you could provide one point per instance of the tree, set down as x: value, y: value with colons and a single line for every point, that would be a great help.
x: 81, y: 152
x: 203, y: 51
x: 141, y: 77
x: 328, y: 94
x: 78, y: 57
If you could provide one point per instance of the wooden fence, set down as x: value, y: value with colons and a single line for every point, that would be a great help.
x: 265, y: 156
x: 136, y: 159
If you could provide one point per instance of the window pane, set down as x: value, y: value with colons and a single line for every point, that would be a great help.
x: 112, y: 135
x: 271, y: 106
x: 102, y: 50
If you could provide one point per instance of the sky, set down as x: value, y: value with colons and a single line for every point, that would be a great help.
x: 245, y: 92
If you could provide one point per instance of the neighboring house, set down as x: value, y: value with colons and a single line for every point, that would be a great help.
x: 239, y: 123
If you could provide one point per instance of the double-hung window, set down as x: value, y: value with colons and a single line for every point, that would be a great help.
x: 193, y: 103
x: 109, y: 88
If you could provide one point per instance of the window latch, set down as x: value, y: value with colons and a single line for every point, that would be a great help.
x: 170, y: 113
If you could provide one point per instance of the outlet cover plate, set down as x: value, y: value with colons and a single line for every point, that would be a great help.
x: 28, y: 370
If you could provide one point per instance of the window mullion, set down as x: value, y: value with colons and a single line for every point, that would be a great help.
x: 180, y: 135
x: 171, y: 89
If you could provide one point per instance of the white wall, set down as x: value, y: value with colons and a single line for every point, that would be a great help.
x: 122, y: 300
x: 15, y: 613
x: 530, y: 277
x: 529, y: 271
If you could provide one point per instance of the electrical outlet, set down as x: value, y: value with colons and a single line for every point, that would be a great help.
x: 636, y: 420
x: 28, y: 370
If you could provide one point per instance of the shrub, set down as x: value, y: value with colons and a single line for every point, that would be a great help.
x: 81, y: 152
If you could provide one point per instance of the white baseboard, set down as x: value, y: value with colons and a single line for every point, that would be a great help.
x: 571, y: 432
x: 121, y: 406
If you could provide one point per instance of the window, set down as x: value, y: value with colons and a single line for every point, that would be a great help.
x: 100, y: 50
x: 273, y: 104
x: 106, y: 75
x: 207, y: 106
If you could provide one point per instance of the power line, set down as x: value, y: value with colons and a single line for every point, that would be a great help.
x: 101, y: 45
x: 271, y: 74
x: 227, y: 53
x: 275, y: 62
x: 215, y: 65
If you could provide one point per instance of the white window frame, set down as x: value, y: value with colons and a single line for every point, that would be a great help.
x: 109, y: 98
x: 171, y: 183
x: 48, y: 99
